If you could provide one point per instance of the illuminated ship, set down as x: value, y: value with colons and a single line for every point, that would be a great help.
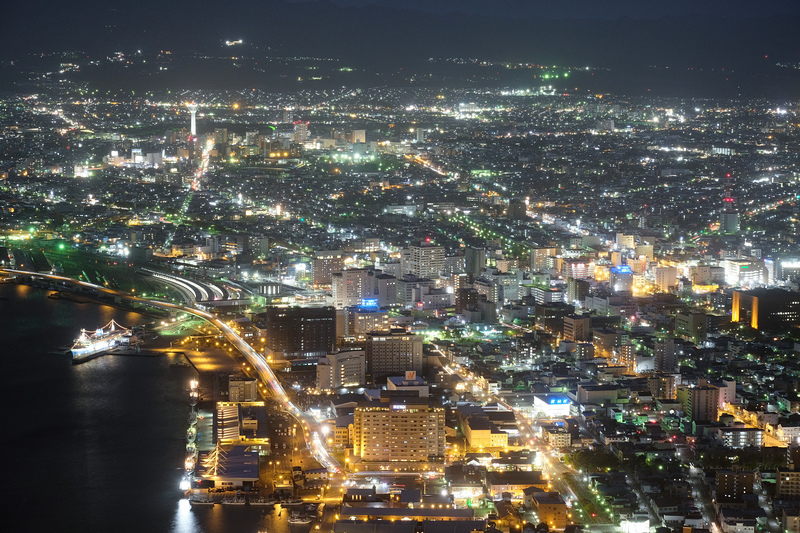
x: 91, y: 344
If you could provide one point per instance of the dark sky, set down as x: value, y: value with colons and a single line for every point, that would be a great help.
x: 592, y: 9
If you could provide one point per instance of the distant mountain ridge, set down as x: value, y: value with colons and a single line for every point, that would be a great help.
x: 375, y: 34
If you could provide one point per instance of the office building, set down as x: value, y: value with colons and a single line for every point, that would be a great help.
x: 292, y: 332
x: 426, y: 260
x: 577, y: 328
x: 341, y: 369
x: 699, y: 403
x: 766, y: 309
x: 402, y: 430
x: 325, y: 263
x: 666, y: 278
x: 392, y: 353
x: 350, y: 286
x: 242, y: 389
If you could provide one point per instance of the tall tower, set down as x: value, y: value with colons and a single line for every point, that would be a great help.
x: 193, y: 110
x: 729, y: 218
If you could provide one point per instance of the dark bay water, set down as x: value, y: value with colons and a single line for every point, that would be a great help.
x: 95, y: 447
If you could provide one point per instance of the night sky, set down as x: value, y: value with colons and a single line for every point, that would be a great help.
x: 593, y: 9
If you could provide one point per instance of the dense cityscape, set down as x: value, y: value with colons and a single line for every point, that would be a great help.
x: 412, y: 304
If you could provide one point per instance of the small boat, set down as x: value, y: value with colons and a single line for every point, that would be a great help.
x: 292, y: 503
x: 234, y: 501
x: 262, y: 502
x: 198, y: 501
x: 298, y: 519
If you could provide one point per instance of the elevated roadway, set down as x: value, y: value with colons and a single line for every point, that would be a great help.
x: 311, y: 429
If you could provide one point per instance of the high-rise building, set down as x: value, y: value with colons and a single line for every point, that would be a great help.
x: 410, y: 288
x: 326, y: 262
x: 300, y: 133
x: 364, y: 319
x: 341, y: 369
x: 621, y: 279
x: 691, y: 326
x: 220, y: 136
x: 666, y: 356
x: 577, y: 328
x: 393, y: 353
x: 766, y: 309
x: 539, y: 258
x: 426, y: 260
x: 577, y: 290
x: 700, y: 403
x: 732, y: 485
x: 666, y: 278
x: 474, y: 260
x: 662, y: 386
x: 404, y: 430
x: 298, y: 331
x: 350, y: 286
x: 787, y: 484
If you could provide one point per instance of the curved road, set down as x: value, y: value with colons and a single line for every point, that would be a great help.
x: 310, y: 426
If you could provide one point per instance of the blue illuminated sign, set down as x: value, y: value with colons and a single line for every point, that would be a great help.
x: 369, y: 302
x: 558, y: 401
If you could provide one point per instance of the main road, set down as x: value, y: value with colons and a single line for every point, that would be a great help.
x: 311, y: 429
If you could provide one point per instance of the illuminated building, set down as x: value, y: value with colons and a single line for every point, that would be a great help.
x: 787, y: 484
x: 744, y: 272
x: 576, y: 268
x: 393, y: 353
x: 193, y: 111
x: 341, y: 369
x: 738, y: 437
x: 621, y: 279
x: 242, y: 389
x: 408, y: 382
x: 326, y: 262
x: 577, y: 290
x: 666, y: 355
x: 365, y: 318
x: 766, y: 309
x: 539, y: 258
x: 481, y: 432
x: 691, y: 326
x: 551, y: 405
x: 551, y: 509
x: 662, y: 386
x: 242, y: 424
x: 410, y: 288
x: 299, y: 331
x: 700, y: 403
x: 426, y: 260
x: 732, y: 485
x: 666, y: 278
x: 351, y: 285
x: 300, y: 133
x: 626, y: 241
x: 577, y: 328
x: 405, y: 430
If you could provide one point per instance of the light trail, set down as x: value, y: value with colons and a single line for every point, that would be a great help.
x: 311, y: 430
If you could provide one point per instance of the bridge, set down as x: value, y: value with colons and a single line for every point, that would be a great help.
x: 312, y: 430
